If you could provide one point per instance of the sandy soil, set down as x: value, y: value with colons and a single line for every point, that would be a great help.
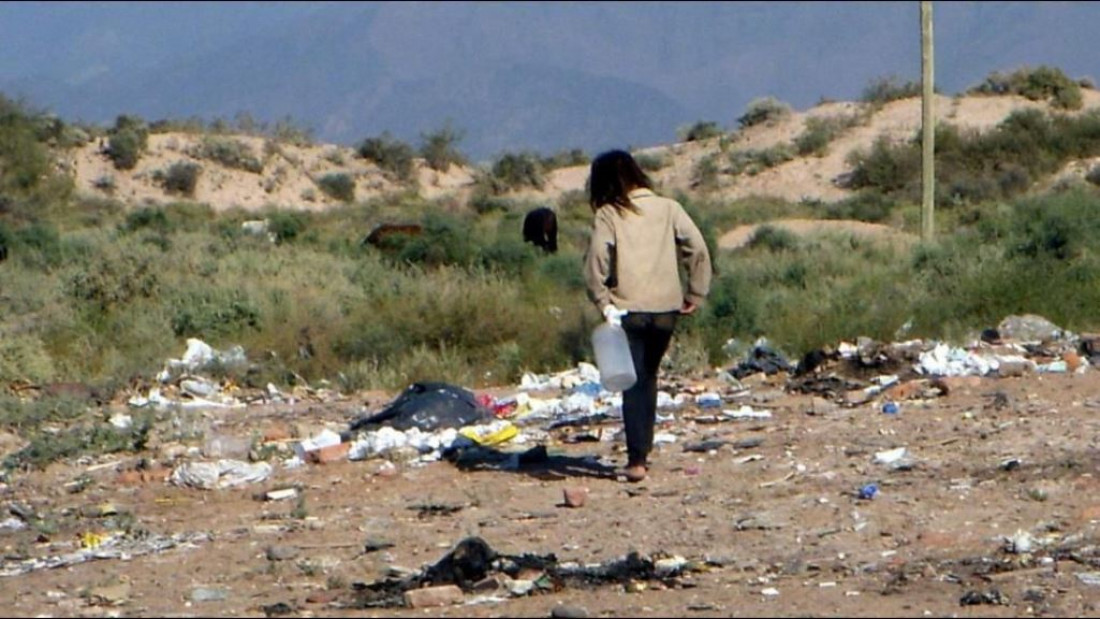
x: 290, y: 173
x: 996, y: 506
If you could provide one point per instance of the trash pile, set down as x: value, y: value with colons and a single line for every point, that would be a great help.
x: 430, y: 421
x: 474, y: 567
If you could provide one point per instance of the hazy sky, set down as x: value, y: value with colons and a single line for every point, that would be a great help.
x: 688, y: 60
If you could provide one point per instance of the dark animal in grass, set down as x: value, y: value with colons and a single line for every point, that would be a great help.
x: 540, y: 227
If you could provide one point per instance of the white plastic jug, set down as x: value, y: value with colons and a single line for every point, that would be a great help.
x: 613, y: 357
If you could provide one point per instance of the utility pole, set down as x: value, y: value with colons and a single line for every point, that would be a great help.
x: 928, y: 124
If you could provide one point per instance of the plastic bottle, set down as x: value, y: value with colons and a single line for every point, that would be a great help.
x: 613, y: 357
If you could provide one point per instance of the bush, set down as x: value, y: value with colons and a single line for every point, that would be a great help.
x: 389, y: 154
x: 565, y: 159
x: 438, y: 149
x: 181, y: 178
x: 702, y: 130
x: 116, y: 279
x: 513, y: 171
x: 285, y: 226
x: 886, y: 89
x: 339, y: 186
x: 705, y: 174
x: 820, y: 131
x: 763, y: 110
x: 773, y: 238
x: 127, y: 141
x: 753, y: 162
x: 230, y: 153
x: 1034, y: 84
x: 445, y: 240
x: 888, y: 166
x: 213, y: 313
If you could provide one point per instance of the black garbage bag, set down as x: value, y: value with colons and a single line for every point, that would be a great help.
x: 428, y: 406
x: 762, y: 359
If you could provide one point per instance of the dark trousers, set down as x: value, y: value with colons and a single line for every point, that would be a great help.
x: 649, y: 335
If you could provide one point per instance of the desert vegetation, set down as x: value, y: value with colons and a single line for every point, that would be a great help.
x: 101, y: 292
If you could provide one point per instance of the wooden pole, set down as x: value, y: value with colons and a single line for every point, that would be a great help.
x: 928, y: 124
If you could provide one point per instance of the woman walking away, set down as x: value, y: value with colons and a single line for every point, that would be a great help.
x: 639, y: 240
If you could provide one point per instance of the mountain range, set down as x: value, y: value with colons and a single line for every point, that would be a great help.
x: 508, y: 76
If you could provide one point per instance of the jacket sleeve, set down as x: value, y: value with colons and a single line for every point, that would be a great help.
x: 694, y: 255
x: 597, y: 262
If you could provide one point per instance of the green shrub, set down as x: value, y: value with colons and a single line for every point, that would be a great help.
x: 820, y: 131
x: 763, y: 110
x: 39, y: 245
x: 445, y: 240
x: 286, y: 226
x: 888, y: 166
x: 213, y: 313
x: 116, y: 279
x: 147, y: 217
x: 702, y: 130
x: 509, y: 254
x: 438, y: 149
x: 773, y: 238
x: 127, y: 141
x: 513, y: 171
x: 1037, y: 84
x: 338, y: 185
x: 886, y: 89
x: 753, y: 162
x: 24, y: 160
x: 102, y: 438
x: 484, y: 202
x: 231, y: 153
x: 870, y: 206
x: 705, y: 174
x: 23, y: 357
x: 288, y: 131
x: 565, y: 159
x: 181, y: 178
x: 391, y: 155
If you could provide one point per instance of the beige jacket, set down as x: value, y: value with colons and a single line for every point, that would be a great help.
x: 633, y: 258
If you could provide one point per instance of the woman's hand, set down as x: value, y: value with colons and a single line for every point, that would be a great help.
x: 688, y: 307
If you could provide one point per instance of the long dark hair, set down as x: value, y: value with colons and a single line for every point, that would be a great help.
x: 614, y: 174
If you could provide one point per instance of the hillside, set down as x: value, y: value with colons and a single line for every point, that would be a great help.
x: 290, y: 174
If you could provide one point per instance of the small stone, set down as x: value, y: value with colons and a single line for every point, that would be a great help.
x: 575, y: 497
x: 321, y: 597
x: 568, y: 611
x: 282, y: 553
x: 331, y: 453
x: 208, y: 594
x: 276, y: 432
x: 444, y: 595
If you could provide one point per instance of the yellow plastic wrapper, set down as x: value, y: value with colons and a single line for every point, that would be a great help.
x: 493, y: 434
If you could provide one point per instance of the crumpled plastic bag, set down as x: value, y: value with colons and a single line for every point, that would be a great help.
x: 219, y: 474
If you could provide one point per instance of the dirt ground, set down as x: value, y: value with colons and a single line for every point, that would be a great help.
x: 994, y: 511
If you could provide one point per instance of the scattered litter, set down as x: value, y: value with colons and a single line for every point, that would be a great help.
x: 868, y: 491
x: 219, y: 474
x: 1091, y: 579
x: 747, y: 412
x: 1019, y: 543
x: 891, y: 456
x: 113, y: 546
